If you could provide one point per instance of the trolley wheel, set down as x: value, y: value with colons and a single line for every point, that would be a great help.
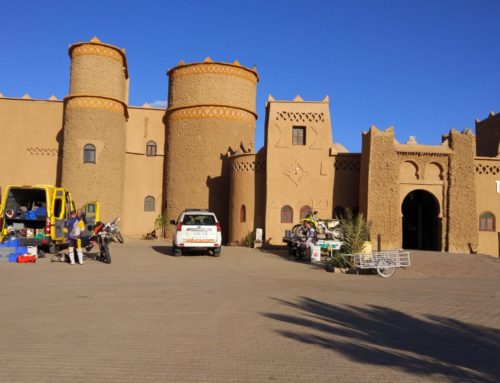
x: 385, y: 268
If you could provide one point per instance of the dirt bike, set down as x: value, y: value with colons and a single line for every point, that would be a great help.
x: 104, y: 234
x: 330, y: 228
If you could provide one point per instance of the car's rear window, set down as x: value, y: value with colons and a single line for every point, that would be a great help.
x: 198, y: 219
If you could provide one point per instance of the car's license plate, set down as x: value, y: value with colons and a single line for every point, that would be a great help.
x: 198, y: 233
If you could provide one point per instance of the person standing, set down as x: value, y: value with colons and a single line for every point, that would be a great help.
x: 74, y: 225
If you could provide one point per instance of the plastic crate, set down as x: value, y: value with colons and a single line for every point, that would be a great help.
x: 13, y: 257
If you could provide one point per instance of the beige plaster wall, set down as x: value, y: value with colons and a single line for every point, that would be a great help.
x: 297, y: 175
x: 346, y: 180
x: 143, y: 174
x: 487, y: 173
x: 31, y: 143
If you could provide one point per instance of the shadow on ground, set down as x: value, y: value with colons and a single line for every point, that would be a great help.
x: 168, y: 250
x: 385, y: 337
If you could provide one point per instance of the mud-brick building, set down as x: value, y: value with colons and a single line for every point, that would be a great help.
x: 139, y: 161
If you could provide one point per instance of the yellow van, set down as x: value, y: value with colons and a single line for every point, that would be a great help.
x: 36, y: 215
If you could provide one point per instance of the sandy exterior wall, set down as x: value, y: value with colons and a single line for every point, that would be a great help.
x: 31, y: 132
x: 143, y: 174
x: 297, y: 175
x: 346, y: 180
x: 487, y: 176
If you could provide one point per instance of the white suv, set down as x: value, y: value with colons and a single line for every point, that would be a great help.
x: 197, y: 229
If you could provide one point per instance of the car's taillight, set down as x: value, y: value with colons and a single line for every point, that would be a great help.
x: 218, y: 227
x: 47, y: 226
x: 179, y: 226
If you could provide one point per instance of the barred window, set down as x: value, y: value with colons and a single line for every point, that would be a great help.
x: 243, y: 213
x: 299, y: 135
x: 151, y: 149
x: 286, y: 214
x: 89, y: 154
x: 487, y: 221
x: 149, y: 203
x: 304, y: 211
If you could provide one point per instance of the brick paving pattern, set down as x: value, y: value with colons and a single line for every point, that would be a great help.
x: 248, y: 316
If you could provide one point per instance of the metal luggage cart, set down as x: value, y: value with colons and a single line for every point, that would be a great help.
x: 384, y: 262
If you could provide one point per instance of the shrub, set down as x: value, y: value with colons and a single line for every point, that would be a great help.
x: 356, y: 232
x: 162, y: 223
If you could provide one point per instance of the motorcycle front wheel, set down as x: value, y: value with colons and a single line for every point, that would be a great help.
x: 105, y: 254
x: 119, y: 237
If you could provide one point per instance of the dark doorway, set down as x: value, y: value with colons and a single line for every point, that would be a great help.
x: 421, y: 223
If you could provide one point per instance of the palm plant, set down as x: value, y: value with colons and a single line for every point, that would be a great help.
x: 356, y: 232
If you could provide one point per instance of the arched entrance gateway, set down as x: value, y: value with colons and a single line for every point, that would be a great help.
x: 421, y: 222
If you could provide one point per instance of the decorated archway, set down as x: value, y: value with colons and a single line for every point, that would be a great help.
x: 421, y: 222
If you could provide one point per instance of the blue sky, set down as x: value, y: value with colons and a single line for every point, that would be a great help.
x: 423, y: 66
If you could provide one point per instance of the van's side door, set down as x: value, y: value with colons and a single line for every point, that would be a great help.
x: 90, y: 213
x: 58, y: 214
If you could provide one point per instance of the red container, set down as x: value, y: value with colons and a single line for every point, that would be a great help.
x: 26, y: 259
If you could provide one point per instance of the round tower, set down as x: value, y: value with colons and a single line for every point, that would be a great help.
x: 247, y: 193
x: 210, y: 114
x: 94, y: 126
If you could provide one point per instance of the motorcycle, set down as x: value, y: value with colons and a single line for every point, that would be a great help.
x: 330, y: 228
x: 104, y: 234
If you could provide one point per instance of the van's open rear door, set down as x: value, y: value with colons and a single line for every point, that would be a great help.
x: 90, y: 212
x: 58, y: 214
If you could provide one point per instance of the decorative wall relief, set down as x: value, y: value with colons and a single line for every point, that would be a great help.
x: 316, y: 144
x: 295, y: 172
x: 281, y: 142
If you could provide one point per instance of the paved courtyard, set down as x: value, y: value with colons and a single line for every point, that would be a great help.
x: 248, y: 316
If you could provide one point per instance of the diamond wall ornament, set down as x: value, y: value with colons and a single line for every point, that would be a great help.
x: 295, y: 172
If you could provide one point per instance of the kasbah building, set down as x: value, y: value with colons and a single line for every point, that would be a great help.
x: 198, y: 153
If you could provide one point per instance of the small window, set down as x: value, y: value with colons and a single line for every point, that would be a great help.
x: 286, y: 214
x: 299, y: 135
x: 243, y: 213
x: 149, y: 203
x: 89, y: 154
x: 487, y: 221
x: 304, y: 211
x: 151, y: 149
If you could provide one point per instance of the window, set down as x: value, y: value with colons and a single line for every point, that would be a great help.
x: 149, y: 203
x: 487, y: 221
x: 89, y: 154
x: 243, y: 213
x: 304, y: 211
x: 286, y: 214
x: 299, y: 135
x: 151, y: 149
